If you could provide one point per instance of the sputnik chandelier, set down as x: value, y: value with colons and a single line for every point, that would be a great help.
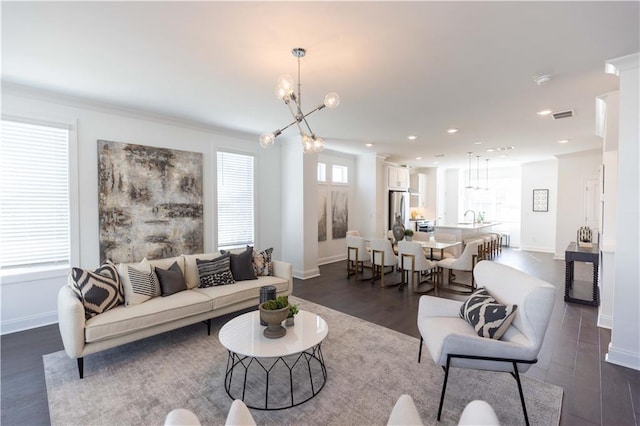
x: 285, y: 90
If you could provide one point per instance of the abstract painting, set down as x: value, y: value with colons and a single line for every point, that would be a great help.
x: 149, y: 202
x: 322, y: 216
x: 339, y: 214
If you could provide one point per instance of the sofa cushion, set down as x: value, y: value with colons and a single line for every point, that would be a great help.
x: 262, y: 262
x: 99, y: 290
x: 242, y: 291
x: 488, y: 317
x: 242, y: 264
x: 171, y: 280
x: 215, y: 272
x: 145, y: 288
x: 159, y: 310
x: 191, y: 275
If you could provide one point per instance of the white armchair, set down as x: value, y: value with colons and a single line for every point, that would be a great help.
x: 413, y: 261
x: 452, y: 342
x: 382, y: 256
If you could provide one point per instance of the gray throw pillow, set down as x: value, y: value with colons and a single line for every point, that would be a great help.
x: 242, y: 265
x: 171, y: 280
x: 488, y: 317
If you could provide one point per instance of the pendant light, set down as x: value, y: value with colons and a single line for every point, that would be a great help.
x: 469, y: 154
x: 477, y: 172
x: 486, y: 181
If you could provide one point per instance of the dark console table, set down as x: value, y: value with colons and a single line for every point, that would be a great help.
x: 573, y: 253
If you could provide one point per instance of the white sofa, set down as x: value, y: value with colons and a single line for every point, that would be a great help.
x: 124, y: 324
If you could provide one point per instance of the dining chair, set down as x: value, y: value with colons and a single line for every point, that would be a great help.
x: 353, y: 233
x: 453, y: 342
x: 412, y: 260
x: 357, y: 254
x: 465, y: 262
x: 382, y: 256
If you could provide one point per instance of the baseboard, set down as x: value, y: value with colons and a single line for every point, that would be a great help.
x: 332, y: 259
x: 539, y: 249
x: 28, y: 322
x: 305, y: 275
x: 605, y: 321
x: 624, y: 358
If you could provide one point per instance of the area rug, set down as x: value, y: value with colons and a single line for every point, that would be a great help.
x: 368, y: 368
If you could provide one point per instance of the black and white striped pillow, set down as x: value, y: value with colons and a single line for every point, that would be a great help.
x: 215, y: 272
x: 144, y: 283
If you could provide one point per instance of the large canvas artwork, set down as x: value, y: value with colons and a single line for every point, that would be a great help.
x: 339, y: 214
x: 322, y: 216
x: 149, y: 202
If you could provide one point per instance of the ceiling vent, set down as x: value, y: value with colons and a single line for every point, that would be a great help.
x: 562, y: 114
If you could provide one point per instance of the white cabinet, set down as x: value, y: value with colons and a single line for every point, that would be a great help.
x: 397, y: 178
x: 418, y: 189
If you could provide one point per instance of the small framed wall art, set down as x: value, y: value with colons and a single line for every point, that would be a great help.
x: 540, y: 200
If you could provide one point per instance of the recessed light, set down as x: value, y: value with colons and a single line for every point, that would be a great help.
x: 452, y: 130
x: 412, y: 137
x: 541, y: 80
x: 440, y: 155
x: 544, y: 112
x: 478, y: 143
x: 503, y: 156
x: 418, y: 158
x: 436, y: 162
x: 563, y: 141
x: 490, y: 149
x: 368, y: 145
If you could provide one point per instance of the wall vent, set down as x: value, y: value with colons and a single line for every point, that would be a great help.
x: 562, y: 114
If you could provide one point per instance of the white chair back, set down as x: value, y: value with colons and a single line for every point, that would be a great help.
x: 414, y: 249
x: 384, y: 245
x: 353, y: 233
x: 421, y: 236
x: 358, y: 243
x: 465, y: 261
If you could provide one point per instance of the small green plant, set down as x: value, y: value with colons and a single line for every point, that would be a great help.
x: 293, y: 310
x: 408, y: 232
x: 277, y: 303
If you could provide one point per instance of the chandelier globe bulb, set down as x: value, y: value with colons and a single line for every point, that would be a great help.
x: 286, y: 83
x: 267, y: 139
x: 332, y: 100
x: 318, y: 144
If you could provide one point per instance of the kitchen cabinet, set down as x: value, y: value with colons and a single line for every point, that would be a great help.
x: 418, y: 189
x: 397, y: 178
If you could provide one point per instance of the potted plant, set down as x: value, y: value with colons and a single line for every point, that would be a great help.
x: 293, y: 310
x: 273, y: 312
x: 408, y: 233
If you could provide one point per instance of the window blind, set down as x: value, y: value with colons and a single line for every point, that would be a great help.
x: 235, y: 200
x: 34, y: 195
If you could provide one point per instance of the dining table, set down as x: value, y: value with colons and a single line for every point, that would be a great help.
x: 437, y: 245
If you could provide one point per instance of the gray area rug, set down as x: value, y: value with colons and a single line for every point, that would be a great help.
x: 368, y: 368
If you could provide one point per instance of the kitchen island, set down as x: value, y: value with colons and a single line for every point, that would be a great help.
x: 462, y: 231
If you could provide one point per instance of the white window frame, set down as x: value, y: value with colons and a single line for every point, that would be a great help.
x: 35, y: 273
x: 346, y: 174
x: 253, y: 216
x: 323, y: 178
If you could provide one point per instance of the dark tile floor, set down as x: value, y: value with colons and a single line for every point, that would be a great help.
x: 572, y: 356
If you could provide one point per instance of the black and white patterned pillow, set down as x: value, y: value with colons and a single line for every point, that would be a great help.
x: 262, y: 262
x: 99, y: 290
x: 215, y: 272
x: 144, y: 283
x: 488, y: 317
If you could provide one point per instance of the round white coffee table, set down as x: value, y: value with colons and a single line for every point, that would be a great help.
x: 272, y: 374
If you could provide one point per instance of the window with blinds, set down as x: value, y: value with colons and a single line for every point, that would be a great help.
x: 235, y: 200
x: 34, y: 195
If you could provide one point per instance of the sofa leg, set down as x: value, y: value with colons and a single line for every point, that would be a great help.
x: 209, y: 327
x: 420, y: 349
x: 81, y: 367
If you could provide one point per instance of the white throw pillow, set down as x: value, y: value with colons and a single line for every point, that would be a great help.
x: 139, y: 282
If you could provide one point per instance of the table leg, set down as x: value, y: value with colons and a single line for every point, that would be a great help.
x: 567, y: 279
x: 595, y: 284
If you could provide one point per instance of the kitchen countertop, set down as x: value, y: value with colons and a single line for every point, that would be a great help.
x: 467, y: 225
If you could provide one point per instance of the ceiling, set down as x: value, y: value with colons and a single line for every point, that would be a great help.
x: 400, y: 68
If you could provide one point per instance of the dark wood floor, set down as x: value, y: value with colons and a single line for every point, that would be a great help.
x: 572, y: 355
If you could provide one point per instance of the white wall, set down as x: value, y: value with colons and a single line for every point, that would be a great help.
x: 538, y: 229
x: 624, y: 348
x: 451, y: 197
x: 573, y: 171
x: 33, y: 303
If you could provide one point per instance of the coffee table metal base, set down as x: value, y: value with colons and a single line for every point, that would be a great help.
x: 248, y: 365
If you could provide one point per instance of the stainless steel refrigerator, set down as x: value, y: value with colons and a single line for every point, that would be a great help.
x: 398, y: 205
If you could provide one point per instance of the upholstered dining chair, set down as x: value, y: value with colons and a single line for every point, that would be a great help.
x: 454, y: 342
x: 357, y: 254
x: 353, y: 233
x: 465, y: 262
x: 412, y: 261
x: 382, y: 256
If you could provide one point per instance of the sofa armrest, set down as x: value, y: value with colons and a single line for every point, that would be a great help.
x: 71, y: 322
x: 283, y: 270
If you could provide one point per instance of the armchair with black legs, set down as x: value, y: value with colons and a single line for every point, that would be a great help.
x: 512, y: 343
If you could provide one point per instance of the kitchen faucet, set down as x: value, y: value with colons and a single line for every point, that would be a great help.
x: 472, y: 212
